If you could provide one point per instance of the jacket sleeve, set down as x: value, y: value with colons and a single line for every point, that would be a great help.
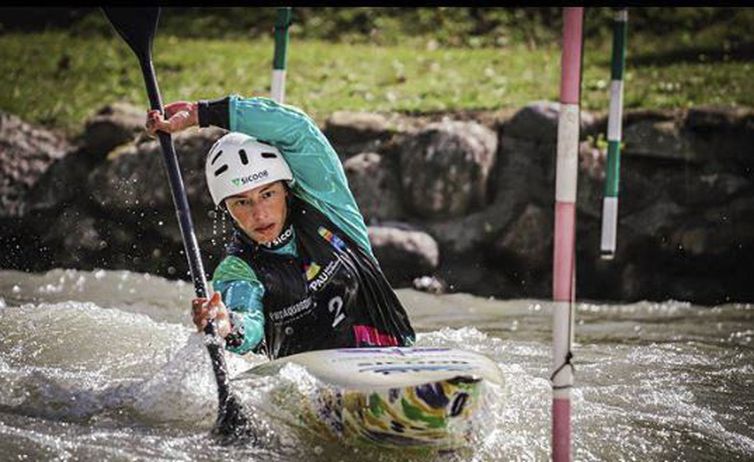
x: 242, y: 293
x: 317, y: 170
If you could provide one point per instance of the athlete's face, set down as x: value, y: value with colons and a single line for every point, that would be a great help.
x: 260, y: 212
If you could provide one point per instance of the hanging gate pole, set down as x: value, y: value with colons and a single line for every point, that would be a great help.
x: 614, y: 123
x: 277, y: 91
x: 565, y: 233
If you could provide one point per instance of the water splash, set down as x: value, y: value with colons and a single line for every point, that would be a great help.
x: 105, y: 365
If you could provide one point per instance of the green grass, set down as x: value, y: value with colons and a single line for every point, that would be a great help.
x: 59, y: 80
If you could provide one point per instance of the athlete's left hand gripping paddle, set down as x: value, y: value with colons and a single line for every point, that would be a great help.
x: 137, y: 26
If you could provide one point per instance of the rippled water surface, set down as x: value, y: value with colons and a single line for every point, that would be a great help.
x: 104, y: 365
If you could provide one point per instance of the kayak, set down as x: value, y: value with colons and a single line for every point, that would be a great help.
x: 399, y: 397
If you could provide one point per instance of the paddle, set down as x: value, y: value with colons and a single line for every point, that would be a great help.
x: 137, y: 26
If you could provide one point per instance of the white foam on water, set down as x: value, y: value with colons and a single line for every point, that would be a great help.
x: 182, y: 391
x: 105, y: 365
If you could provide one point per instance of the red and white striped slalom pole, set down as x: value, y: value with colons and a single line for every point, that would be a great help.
x: 564, y: 264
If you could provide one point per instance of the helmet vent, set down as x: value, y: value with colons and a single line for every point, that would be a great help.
x: 269, y: 155
x: 221, y: 169
x: 214, y: 159
x: 243, y: 156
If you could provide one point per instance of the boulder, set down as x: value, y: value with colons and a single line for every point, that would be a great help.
x: 523, y: 176
x: 479, y: 229
x: 474, y: 231
x: 655, y: 220
x: 404, y: 253
x: 591, y: 179
x: 354, y: 132
x: 75, y: 237
x: 62, y: 183
x: 708, y: 118
x: 375, y: 185
x: 718, y: 233
x: 473, y: 272
x: 111, y: 126
x: 445, y: 168
x: 658, y: 139
x: 538, y: 121
x: 723, y: 136
x: 641, y: 182
x: 694, y: 189
x: 430, y: 284
x: 525, y: 170
x: 133, y: 184
x: 632, y: 116
x: 528, y: 240
x: 27, y: 152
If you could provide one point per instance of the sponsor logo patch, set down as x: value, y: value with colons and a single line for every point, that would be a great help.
x: 334, y: 240
x: 293, y: 311
x: 284, y: 237
x: 312, y: 270
x: 324, y: 275
x: 244, y: 180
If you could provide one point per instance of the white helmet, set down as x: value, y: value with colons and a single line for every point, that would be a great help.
x: 237, y: 163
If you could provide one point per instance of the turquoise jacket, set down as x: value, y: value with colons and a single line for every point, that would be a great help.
x: 319, y: 179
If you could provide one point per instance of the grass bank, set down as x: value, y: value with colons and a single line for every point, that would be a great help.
x: 58, y: 80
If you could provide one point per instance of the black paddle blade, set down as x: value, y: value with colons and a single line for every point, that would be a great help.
x: 232, y: 425
x: 137, y: 26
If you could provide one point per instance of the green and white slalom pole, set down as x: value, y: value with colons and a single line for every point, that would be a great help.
x: 564, y: 254
x: 614, y: 125
x: 282, y: 23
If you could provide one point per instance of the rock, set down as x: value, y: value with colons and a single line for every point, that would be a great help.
x: 354, y: 132
x: 704, y: 258
x: 538, y: 121
x: 632, y: 116
x: 641, y: 182
x: 658, y: 139
x: 62, y: 183
x: 473, y: 231
x: 445, y: 168
x: 375, y: 186
x: 707, y: 118
x: 528, y: 240
x: 654, y: 220
x: 686, y: 214
x: 476, y: 230
x: 524, y: 174
x: 718, y: 233
x: 75, y: 237
x: 404, y: 254
x: 111, y: 126
x: 472, y: 272
x: 724, y: 137
x: 27, y: 152
x: 133, y: 184
x: 635, y: 283
x: 591, y: 179
x: 695, y: 189
x: 430, y: 284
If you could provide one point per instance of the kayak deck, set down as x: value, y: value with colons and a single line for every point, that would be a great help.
x: 438, y: 398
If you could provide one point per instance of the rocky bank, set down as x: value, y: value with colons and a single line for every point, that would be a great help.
x: 454, y: 202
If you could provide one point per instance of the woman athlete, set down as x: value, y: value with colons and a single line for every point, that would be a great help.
x: 299, y: 273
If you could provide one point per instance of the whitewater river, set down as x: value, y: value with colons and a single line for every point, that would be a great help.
x: 104, y: 365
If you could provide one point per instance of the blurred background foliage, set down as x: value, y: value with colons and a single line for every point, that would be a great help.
x: 448, y: 26
x: 59, y: 65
